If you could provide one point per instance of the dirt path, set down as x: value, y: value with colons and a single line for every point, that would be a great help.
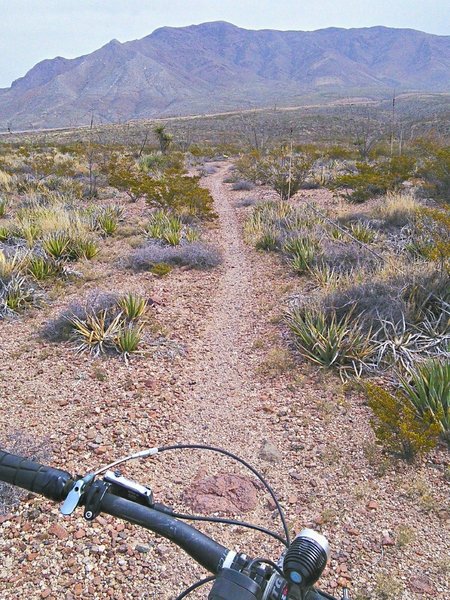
x: 219, y: 406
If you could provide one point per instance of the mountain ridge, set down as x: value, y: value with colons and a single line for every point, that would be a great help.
x: 217, y: 65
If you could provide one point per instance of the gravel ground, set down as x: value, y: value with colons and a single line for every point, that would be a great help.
x: 221, y: 375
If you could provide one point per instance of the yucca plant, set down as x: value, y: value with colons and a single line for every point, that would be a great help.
x: 3, y: 206
x: 330, y: 342
x: 268, y: 240
x: 301, y: 251
x: 133, y: 306
x: 96, y: 333
x: 16, y: 295
x: 5, y: 233
x: 427, y: 388
x: 14, y: 264
x: 82, y: 248
x: 362, y: 232
x: 107, y: 223
x: 128, y: 340
x: 57, y: 244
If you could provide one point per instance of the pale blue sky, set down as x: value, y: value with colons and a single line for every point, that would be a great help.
x: 32, y: 30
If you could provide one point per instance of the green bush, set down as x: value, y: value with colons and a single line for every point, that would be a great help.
x: 397, y: 426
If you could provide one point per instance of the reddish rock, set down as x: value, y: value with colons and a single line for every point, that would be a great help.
x: 422, y: 585
x: 60, y: 531
x: 79, y: 534
x: 222, y: 493
x: 372, y: 505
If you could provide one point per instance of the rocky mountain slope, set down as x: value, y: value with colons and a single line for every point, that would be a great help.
x: 217, y: 66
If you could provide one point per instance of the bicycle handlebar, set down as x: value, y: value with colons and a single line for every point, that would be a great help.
x: 56, y: 485
x: 34, y: 477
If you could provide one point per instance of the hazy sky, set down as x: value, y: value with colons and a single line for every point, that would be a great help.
x: 36, y: 29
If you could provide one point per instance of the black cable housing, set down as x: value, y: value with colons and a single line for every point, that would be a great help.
x: 245, y: 464
x: 230, y: 522
x: 194, y: 586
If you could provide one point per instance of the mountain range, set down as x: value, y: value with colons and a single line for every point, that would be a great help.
x: 217, y: 66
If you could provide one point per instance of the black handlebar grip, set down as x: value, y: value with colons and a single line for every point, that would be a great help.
x: 51, y: 483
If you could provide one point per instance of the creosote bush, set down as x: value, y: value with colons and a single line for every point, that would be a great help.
x: 397, y: 425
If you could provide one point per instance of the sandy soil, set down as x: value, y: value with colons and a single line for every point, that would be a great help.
x: 220, y: 375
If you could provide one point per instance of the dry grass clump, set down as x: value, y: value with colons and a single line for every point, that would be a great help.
x: 396, y: 209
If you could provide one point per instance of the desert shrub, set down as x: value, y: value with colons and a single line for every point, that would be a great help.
x: 161, y: 269
x: 285, y: 172
x: 249, y: 167
x: 59, y: 329
x: 436, y: 173
x: 397, y: 426
x: 242, y: 185
x: 181, y: 194
x: 195, y: 255
x: 3, y: 206
x: 245, y: 202
x: 371, y: 180
x: 27, y: 446
x: 427, y: 388
x: 329, y: 341
x: 155, y: 163
x: 208, y: 170
x: 346, y: 258
x: 432, y: 236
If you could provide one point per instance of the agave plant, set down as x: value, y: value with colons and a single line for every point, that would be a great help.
x: 427, y: 388
x: 330, y: 342
x: 302, y: 252
x: 57, y: 244
x: 96, y: 333
x: 42, y: 267
x: 133, y: 306
x: 403, y: 344
x: 128, y: 340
